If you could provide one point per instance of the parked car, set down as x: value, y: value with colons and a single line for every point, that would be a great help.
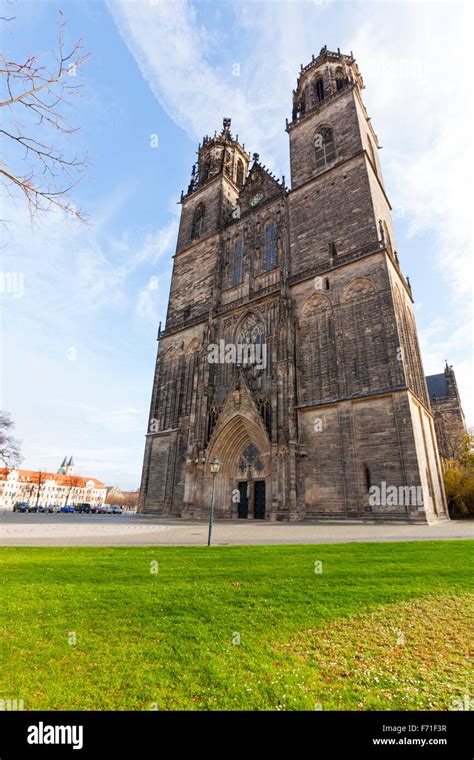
x: 36, y: 508
x: 21, y: 506
x: 116, y: 510
x: 53, y: 507
x: 86, y: 508
x: 67, y: 508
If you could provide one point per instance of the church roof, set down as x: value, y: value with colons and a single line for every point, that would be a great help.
x: 34, y: 476
x: 260, y: 185
x: 437, y: 385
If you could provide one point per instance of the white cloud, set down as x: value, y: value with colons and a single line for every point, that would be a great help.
x: 418, y: 86
x: 73, y: 376
x: 173, y: 51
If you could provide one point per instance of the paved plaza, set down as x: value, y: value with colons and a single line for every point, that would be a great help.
x: 145, y: 530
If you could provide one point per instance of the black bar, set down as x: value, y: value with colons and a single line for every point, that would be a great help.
x: 135, y: 734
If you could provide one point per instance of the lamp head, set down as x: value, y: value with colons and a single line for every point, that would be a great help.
x: 214, y: 465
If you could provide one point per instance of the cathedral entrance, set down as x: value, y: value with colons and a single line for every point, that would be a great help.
x: 242, y: 447
x: 243, y: 501
x: 259, y: 500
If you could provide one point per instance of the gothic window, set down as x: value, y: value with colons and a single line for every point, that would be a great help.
x: 265, y: 410
x: 250, y: 458
x: 319, y: 88
x: 251, y: 331
x: 238, y: 263
x: 326, y: 283
x: 270, y: 255
x: 339, y: 79
x: 325, y: 151
x: 198, y: 222
x: 188, y: 379
x: 205, y: 171
x: 240, y: 173
x: 317, y: 377
x: 330, y: 328
x: 211, y: 422
x: 364, y: 330
x: 250, y: 335
x: 228, y: 163
x: 368, y: 479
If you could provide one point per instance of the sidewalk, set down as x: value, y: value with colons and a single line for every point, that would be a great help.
x: 143, y: 530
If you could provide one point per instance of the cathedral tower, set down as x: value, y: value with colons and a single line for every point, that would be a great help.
x: 309, y: 277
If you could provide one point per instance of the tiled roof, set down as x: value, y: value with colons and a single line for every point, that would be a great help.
x: 32, y: 476
x: 437, y: 385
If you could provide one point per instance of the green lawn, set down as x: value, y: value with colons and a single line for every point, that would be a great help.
x: 383, y: 626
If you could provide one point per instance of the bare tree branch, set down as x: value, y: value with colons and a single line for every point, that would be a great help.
x: 33, y: 97
x: 9, y: 447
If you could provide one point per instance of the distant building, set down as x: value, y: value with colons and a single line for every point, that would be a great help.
x: 48, y: 488
x: 115, y: 495
x: 67, y: 466
x: 450, y: 425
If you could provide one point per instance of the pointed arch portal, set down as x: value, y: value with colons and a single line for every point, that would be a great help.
x: 243, y: 484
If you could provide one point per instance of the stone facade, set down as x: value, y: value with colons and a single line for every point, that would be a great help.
x: 448, y: 415
x: 309, y: 275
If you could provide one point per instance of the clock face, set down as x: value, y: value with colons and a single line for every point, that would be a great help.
x: 256, y: 199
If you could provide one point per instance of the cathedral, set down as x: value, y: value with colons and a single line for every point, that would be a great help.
x: 450, y: 424
x: 290, y: 351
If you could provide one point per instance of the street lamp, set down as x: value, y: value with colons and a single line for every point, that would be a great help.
x: 214, y: 466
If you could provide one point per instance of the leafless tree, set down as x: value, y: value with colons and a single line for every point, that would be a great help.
x: 71, y: 482
x: 131, y: 499
x: 28, y: 491
x: 42, y: 478
x: 9, y: 446
x: 34, y: 96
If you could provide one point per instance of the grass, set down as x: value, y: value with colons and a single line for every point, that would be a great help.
x: 384, y: 626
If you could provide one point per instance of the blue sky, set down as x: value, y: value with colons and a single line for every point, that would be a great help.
x: 79, y: 346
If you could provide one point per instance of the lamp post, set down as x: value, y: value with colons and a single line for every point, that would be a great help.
x: 214, y: 465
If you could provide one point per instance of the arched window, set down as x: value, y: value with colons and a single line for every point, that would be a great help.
x: 319, y: 88
x: 211, y: 422
x: 325, y: 150
x: 228, y: 163
x: 198, y: 222
x: 339, y: 79
x: 238, y: 263
x: 270, y: 255
x: 239, y: 179
x: 330, y: 328
x: 316, y: 353
x: 326, y: 283
x: 368, y: 479
x: 205, y: 171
